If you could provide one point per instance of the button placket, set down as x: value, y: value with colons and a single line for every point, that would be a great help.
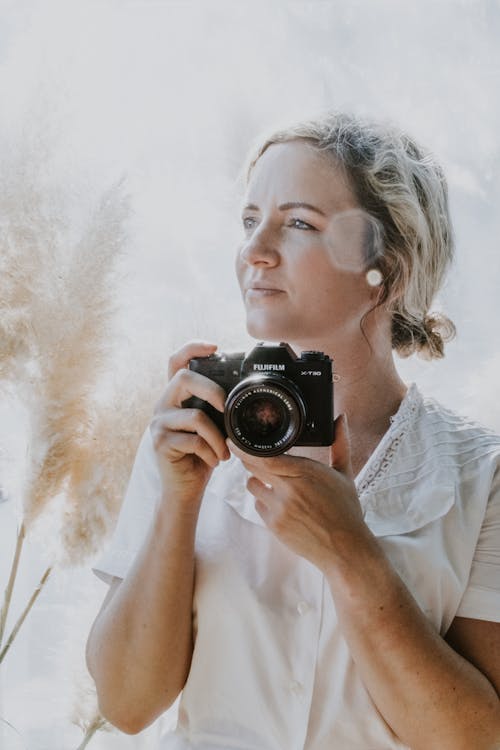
x: 305, y: 609
x: 300, y: 678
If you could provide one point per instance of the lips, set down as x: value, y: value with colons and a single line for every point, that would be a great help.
x: 258, y: 286
x: 262, y: 292
x: 263, y: 289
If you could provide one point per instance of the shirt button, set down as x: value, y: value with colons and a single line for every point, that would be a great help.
x: 296, y: 687
x: 302, y: 608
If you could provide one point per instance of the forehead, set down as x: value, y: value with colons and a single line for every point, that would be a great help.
x: 298, y: 171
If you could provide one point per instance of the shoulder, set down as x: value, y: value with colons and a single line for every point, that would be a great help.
x: 435, y: 459
x: 447, y: 442
x: 445, y: 451
x: 429, y: 444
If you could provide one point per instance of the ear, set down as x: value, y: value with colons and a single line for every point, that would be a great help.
x: 340, y: 451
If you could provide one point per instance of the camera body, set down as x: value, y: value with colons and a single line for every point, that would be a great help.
x: 274, y: 399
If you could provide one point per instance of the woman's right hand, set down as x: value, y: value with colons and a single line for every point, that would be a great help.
x: 188, y: 444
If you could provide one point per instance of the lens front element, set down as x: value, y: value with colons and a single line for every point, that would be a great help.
x: 264, y: 415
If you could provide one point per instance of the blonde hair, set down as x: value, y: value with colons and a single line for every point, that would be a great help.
x: 403, y: 189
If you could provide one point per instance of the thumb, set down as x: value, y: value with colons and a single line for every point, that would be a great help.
x: 340, y: 451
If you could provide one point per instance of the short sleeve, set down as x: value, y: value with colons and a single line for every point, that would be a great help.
x: 481, y: 600
x: 136, y: 514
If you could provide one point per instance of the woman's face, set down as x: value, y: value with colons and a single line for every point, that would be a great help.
x: 293, y: 285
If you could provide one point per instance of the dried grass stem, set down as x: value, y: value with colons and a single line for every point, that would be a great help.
x: 97, y: 724
x: 24, y: 613
x: 21, y: 535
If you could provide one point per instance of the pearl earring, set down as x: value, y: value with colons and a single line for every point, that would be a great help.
x: 374, y: 277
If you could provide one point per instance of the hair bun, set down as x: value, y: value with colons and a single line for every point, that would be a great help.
x: 426, y: 337
x: 439, y: 329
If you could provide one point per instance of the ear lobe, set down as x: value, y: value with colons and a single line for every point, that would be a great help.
x: 374, y: 278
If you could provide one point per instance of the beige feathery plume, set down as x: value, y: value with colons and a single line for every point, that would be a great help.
x: 73, y: 338
x: 85, y: 713
x: 56, y: 310
x: 28, y: 238
x: 100, y: 470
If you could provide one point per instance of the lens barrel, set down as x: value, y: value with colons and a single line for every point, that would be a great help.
x: 264, y: 414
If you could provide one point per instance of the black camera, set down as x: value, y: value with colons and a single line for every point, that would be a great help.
x: 274, y: 399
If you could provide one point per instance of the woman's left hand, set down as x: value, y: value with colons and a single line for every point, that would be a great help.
x: 312, y: 508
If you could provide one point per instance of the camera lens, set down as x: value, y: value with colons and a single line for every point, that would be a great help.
x: 264, y: 415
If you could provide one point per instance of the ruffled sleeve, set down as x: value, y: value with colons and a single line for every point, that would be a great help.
x: 136, y: 514
x: 481, y: 600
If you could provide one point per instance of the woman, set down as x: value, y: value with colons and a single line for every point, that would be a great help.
x: 343, y: 597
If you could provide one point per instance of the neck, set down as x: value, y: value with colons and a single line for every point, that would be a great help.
x: 369, y: 389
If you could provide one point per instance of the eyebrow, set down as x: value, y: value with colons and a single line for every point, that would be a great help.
x: 286, y: 206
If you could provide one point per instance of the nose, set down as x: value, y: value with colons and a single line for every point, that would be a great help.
x: 260, y: 249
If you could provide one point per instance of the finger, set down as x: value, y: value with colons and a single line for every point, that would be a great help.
x: 263, y: 497
x: 181, y: 357
x: 340, y: 451
x: 180, y: 444
x: 187, y: 383
x: 260, y: 489
x: 269, y: 466
x: 195, y: 421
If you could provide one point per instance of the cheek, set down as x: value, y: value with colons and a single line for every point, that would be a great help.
x: 316, y: 274
x: 328, y: 286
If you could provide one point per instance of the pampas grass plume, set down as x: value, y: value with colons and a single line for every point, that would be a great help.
x: 73, y: 345
x: 57, y: 306
x: 102, y: 464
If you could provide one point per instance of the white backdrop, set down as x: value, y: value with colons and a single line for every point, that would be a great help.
x: 170, y: 95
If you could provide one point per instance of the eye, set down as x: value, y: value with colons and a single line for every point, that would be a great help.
x: 249, y: 222
x: 305, y: 225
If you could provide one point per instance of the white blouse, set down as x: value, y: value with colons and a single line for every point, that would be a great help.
x: 271, y: 669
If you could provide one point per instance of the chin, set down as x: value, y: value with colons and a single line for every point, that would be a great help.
x: 266, y: 330
x: 295, y: 336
